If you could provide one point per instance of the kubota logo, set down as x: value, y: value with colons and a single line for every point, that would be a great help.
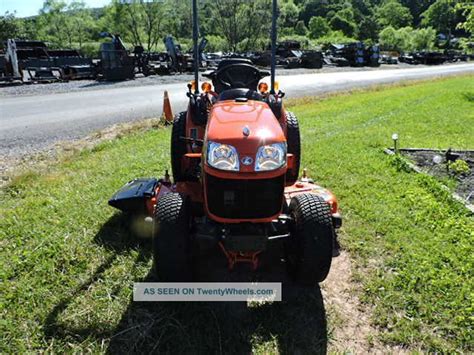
x: 247, y: 160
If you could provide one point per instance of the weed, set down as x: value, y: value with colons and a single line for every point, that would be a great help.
x: 459, y: 167
x: 400, y: 163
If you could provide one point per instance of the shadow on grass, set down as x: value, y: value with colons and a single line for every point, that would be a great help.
x: 296, y: 325
x: 117, y: 237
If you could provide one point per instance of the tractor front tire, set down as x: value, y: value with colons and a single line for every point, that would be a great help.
x: 172, y: 246
x: 309, y: 246
x: 294, y: 146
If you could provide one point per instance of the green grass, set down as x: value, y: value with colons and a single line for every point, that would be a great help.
x: 68, y: 261
x: 416, y: 242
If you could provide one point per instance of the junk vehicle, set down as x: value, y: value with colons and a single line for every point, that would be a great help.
x: 33, y: 61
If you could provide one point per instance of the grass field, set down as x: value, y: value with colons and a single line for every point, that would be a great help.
x: 68, y: 261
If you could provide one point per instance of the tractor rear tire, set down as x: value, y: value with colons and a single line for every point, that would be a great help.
x: 172, y: 245
x: 294, y: 146
x: 309, y: 247
x: 178, y: 146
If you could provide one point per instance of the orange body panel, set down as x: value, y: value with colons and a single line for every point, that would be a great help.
x: 228, y: 118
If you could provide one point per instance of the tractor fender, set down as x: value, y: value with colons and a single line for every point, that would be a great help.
x: 301, y: 187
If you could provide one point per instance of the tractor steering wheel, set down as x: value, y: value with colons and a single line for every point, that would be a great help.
x: 238, y: 75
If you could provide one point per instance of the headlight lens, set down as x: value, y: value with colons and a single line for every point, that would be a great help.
x: 270, y: 157
x: 222, y: 156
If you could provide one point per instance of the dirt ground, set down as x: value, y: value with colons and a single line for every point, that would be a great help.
x: 354, y: 332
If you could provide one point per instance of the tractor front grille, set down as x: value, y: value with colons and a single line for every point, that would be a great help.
x: 244, y: 199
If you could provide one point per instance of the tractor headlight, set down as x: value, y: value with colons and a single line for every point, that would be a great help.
x: 222, y: 156
x: 270, y: 157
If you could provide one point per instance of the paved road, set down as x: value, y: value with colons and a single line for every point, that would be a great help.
x: 30, y: 123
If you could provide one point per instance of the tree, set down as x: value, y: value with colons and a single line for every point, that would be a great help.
x: 347, y: 13
x: 153, y: 14
x: 368, y: 29
x: 343, y: 21
x: 9, y: 26
x: 392, y: 13
x: 140, y: 22
x: 318, y: 27
x: 289, y: 14
x: 56, y: 26
x: 362, y: 9
x: 441, y: 16
x: 417, y: 7
x: 467, y: 10
x: 180, y: 22
x: 242, y: 22
x: 82, y: 21
x: 311, y: 8
x: 30, y: 29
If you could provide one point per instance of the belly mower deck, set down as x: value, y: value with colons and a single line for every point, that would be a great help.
x: 139, y: 197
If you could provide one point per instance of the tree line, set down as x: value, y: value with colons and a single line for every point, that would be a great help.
x: 243, y: 25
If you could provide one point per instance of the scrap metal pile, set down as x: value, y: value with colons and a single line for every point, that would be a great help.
x: 24, y: 61
x: 355, y: 54
x: 289, y: 55
x: 33, y: 62
x: 432, y: 57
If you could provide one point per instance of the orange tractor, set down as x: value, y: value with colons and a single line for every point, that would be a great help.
x: 235, y: 157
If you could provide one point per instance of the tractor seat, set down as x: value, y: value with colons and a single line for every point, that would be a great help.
x: 240, y: 93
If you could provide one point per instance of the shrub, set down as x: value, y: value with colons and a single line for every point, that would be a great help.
x: 333, y: 37
x: 407, y: 39
x: 301, y: 28
x: 423, y: 38
x: 459, y: 167
x: 90, y: 50
x: 216, y: 44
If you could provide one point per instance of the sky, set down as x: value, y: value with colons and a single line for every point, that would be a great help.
x: 25, y: 8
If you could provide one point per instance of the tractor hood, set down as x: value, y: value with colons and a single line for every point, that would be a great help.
x: 245, y: 125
